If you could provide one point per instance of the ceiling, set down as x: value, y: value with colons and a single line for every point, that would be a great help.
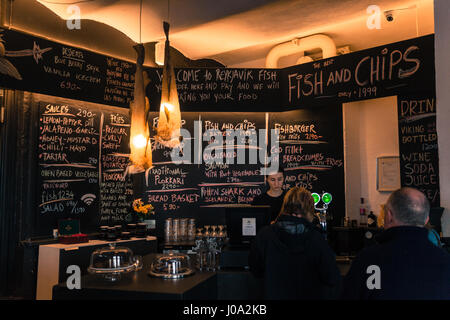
x: 233, y: 32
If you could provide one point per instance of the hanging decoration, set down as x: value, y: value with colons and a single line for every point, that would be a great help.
x: 140, y: 144
x: 169, y: 123
x: 141, y: 149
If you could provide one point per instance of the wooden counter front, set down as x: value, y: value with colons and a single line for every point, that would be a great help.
x: 55, y: 258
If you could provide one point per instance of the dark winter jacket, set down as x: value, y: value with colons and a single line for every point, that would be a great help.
x: 410, y: 267
x: 275, y: 203
x: 295, y: 261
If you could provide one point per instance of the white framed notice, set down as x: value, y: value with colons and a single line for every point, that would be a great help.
x: 249, y: 226
x: 388, y: 173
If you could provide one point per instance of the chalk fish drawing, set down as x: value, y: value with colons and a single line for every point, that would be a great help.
x: 8, y: 68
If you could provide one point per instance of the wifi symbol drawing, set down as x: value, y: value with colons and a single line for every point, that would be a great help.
x: 88, y: 198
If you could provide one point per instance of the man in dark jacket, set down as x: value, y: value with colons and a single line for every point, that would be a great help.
x: 404, y: 264
x: 292, y: 256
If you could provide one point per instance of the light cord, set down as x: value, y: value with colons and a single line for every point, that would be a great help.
x: 140, y: 23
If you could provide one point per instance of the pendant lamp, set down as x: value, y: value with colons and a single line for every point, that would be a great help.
x: 141, y: 150
x: 140, y: 144
x: 169, y: 122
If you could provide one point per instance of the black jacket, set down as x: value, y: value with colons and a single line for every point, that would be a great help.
x: 275, y: 203
x: 411, y: 267
x: 295, y: 261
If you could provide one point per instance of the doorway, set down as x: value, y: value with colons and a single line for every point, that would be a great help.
x: 370, y: 131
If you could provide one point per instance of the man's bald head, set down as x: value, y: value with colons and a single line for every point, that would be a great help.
x: 409, y: 207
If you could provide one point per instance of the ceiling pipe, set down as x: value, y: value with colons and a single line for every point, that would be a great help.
x: 300, y: 45
x: 304, y: 59
x: 159, y: 52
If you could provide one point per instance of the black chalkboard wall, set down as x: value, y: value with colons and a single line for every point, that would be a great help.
x: 89, y: 176
x: 419, y: 161
x: 401, y: 68
x: 311, y: 151
x: 309, y: 147
x: 68, y: 71
x: 220, y: 89
x: 83, y: 154
x: 83, y: 151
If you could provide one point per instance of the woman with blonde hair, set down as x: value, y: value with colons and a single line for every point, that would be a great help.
x: 292, y: 257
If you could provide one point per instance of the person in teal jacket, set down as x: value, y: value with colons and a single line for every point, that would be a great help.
x: 433, y: 236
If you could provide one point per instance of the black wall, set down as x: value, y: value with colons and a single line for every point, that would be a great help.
x: 405, y: 69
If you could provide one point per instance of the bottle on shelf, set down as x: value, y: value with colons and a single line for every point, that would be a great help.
x: 372, y: 220
x: 362, y: 214
x: 346, y: 222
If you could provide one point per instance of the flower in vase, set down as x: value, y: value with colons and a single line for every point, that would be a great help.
x: 142, y: 210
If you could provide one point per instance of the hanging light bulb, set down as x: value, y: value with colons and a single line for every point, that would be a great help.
x: 139, y: 141
x: 167, y: 107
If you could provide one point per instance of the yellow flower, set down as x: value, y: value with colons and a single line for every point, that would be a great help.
x: 139, y: 207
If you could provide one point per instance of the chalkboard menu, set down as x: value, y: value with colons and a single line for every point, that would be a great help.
x: 83, y: 148
x: 82, y: 152
x: 52, y: 68
x: 311, y: 152
x: 171, y: 185
x: 115, y: 187
x: 388, y: 70
x: 211, y: 168
x: 237, y: 177
x: 75, y: 73
x: 221, y: 89
x: 419, y: 159
x: 65, y: 71
x: 186, y: 181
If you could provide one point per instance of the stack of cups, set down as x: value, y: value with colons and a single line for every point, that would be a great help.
x: 191, y: 230
x: 179, y: 229
x: 141, y: 230
x: 168, y: 230
x: 183, y: 230
x: 118, y: 230
x: 176, y: 230
x: 104, y: 232
x: 132, y: 229
x: 111, y: 235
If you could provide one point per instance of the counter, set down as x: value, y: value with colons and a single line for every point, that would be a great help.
x: 139, y: 285
x: 55, y: 258
x: 225, y: 284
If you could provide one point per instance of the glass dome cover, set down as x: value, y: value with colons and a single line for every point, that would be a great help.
x: 110, y: 262
x: 171, y: 266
